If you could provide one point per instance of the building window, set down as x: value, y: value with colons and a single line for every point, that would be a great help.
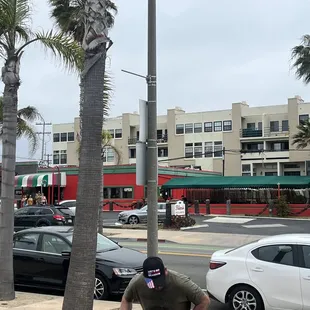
x: 271, y: 174
x: 188, y: 128
x: 197, y: 127
x: 111, y: 133
x: 218, y: 149
x: 208, y: 126
x: 115, y: 192
x: 218, y: 126
x: 285, y: 125
x: 227, y: 125
x: 118, y: 192
x: 246, y: 170
x: 63, y: 157
x: 118, y: 133
x: 63, y: 137
x: 208, y: 149
x: 56, y: 158
x: 56, y: 137
x: 110, y: 155
x: 189, y: 150
x: 179, y: 129
x: 198, y: 150
x: 163, y: 152
x: 70, y: 136
x: 132, y: 153
x: 260, y: 125
x: 127, y: 192
x: 274, y: 126
x: 250, y: 126
x: 303, y: 118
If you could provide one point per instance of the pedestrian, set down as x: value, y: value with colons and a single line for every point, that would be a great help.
x: 159, y: 288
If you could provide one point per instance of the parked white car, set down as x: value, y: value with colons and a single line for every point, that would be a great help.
x: 71, y: 204
x: 271, y: 273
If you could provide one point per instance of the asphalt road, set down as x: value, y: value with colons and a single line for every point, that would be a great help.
x: 238, y: 225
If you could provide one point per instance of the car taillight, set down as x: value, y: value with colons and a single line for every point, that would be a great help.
x: 58, y: 217
x: 216, y: 265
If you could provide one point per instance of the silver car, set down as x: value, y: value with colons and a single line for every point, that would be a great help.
x: 140, y: 215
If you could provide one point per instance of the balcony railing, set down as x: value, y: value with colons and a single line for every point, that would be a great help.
x: 160, y: 139
x: 251, y: 133
x: 267, y: 132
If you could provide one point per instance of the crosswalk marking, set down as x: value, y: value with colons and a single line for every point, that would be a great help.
x: 229, y: 220
x: 264, y: 226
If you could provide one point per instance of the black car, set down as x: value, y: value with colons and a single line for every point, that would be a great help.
x: 42, y: 254
x: 36, y: 216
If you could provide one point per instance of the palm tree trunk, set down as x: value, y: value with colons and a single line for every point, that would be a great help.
x: 100, y: 211
x: 10, y: 77
x: 79, y: 292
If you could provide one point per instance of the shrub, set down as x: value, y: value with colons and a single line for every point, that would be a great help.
x: 181, y: 221
x: 282, y: 207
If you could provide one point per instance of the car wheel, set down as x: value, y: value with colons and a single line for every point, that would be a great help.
x: 133, y: 220
x: 245, y: 298
x: 43, y: 224
x: 101, y: 290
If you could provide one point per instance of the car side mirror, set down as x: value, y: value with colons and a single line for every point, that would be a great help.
x: 66, y: 254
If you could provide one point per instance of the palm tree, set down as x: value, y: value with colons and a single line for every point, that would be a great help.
x: 301, y: 59
x: 15, y: 37
x: 79, y: 293
x: 106, y: 145
x: 302, y: 138
x: 67, y: 14
x: 25, y: 117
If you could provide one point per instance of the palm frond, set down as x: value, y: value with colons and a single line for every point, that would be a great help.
x: 62, y: 47
x: 68, y: 16
x: 29, y: 114
x: 301, y: 59
x: 26, y: 130
x: 302, y: 138
x: 14, y: 21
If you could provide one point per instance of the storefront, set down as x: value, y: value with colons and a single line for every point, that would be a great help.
x: 50, y: 184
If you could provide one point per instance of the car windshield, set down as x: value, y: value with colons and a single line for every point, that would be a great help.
x: 103, y: 244
x: 144, y: 208
x: 65, y: 211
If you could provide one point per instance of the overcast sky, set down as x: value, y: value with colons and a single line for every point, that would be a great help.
x: 210, y: 54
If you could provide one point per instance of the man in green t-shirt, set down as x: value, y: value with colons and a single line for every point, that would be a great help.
x: 158, y: 288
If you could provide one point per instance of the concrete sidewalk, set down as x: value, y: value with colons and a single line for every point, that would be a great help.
x: 184, y: 237
x: 30, y: 301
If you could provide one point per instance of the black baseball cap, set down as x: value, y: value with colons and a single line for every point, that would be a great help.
x: 154, y: 272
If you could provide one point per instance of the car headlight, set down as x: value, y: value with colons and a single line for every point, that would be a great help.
x: 124, y: 271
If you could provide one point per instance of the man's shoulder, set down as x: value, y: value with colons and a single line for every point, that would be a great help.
x: 179, y: 277
x: 137, y: 279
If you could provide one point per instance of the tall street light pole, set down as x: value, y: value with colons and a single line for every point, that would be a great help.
x: 151, y: 155
x: 152, y: 160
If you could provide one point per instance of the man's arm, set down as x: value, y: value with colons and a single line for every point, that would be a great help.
x: 195, y: 294
x: 125, y: 305
x: 204, y: 303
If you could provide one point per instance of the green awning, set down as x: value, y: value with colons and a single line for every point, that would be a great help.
x: 239, y: 182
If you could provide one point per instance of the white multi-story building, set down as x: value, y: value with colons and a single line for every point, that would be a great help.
x: 257, y: 140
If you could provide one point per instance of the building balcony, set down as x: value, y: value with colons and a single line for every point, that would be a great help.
x: 276, y: 132
x: 160, y: 139
x: 251, y: 133
x: 268, y: 132
x: 264, y: 154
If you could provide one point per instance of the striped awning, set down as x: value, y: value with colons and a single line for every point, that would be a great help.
x: 39, y: 179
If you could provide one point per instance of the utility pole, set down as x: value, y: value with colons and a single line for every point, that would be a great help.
x: 47, y: 156
x: 43, y: 133
x: 223, y: 167
x: 152, y: 160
